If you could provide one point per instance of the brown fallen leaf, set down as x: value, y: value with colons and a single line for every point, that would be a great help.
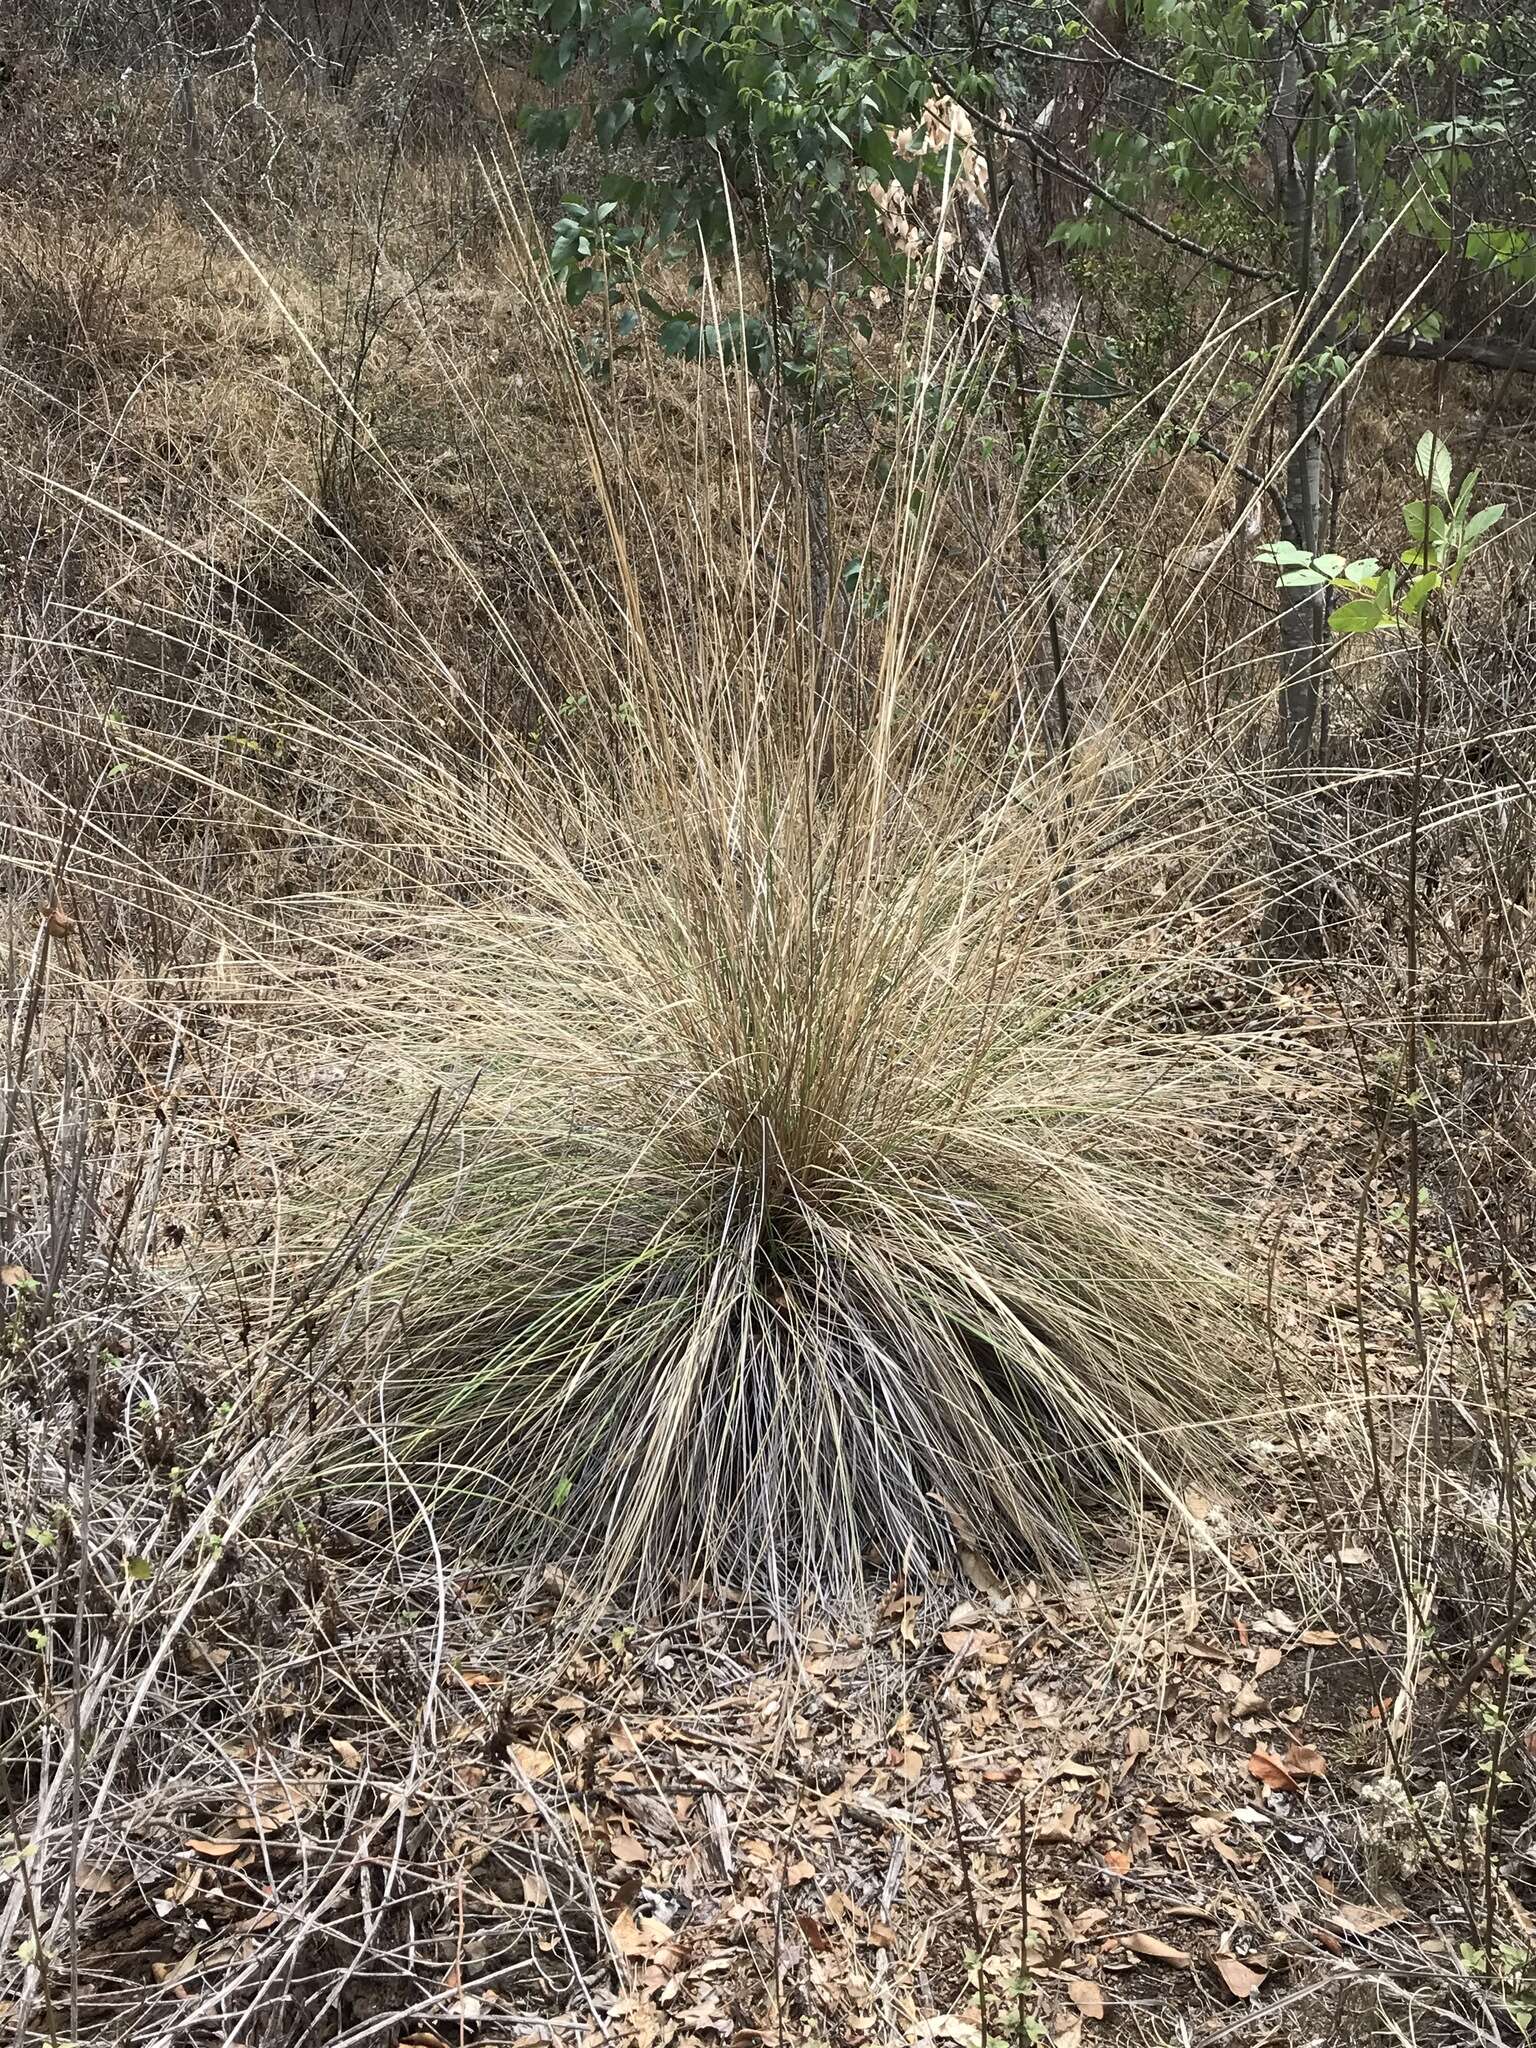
x: 211, y: 1845
x: 1060, y: 1827
x: 1286, y: 1773
x: 1087, y: 1996
x: 1368, y: 1919
x: 1157, y: 1951
x: 980, y: 1573
x: 1241, y: 1980
x: 817, y: 1937
x: 626, y: 1849
x: 638, y: 1938
x: 1304, y: 1762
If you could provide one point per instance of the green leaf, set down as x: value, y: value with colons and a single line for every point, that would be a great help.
x: 1281, y: 554
x: 1418, y: 591
x: 1481, y: 523
x: 1360, y: 615
x: 1432, y: 460
x: 1422, y: 518
x: 138, y: 1571
x: 612, y: 120
x: 1303, y: 579
x: 548, y: 129
x: 680, y: 336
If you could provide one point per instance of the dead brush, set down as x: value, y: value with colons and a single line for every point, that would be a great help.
x: 227, y: 1812
x: 65, y: 291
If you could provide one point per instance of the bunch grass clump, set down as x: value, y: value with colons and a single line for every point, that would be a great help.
x: 818, y: 1201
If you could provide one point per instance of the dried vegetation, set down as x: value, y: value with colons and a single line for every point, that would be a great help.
x: 418, y: 911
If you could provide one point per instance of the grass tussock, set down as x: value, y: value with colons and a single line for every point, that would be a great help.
x: 820, y: 1193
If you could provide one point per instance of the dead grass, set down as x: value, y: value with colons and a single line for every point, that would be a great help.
x: 306, y: 1779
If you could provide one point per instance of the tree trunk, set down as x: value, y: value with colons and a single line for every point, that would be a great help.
x: 1077, y: 112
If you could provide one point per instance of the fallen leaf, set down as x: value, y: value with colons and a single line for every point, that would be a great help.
x: 1303, y: 1762
x: 815, y: 1934
x: 1368, y: 1919
x: 980, y: 1573
x: 1061, y: 1827
x: 638, y: 1938
x: 533, y: 1763
x: 1087, y: 1996
x: 627, y: 1850
x: 1267, y: 1659
x: 209, y: 1845
x: 1156, y: 1951
x: 1270, y: 1771
x: 349, y: 1752
x: 1240, y: 1980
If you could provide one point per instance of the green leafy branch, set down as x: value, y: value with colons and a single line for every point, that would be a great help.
x: 1444, y: 534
